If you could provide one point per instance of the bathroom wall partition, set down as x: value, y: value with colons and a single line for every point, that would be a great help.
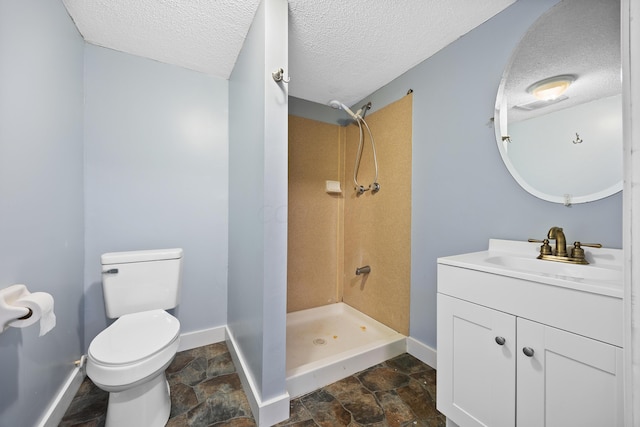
x: 256, y: 312
x: 330, y: 235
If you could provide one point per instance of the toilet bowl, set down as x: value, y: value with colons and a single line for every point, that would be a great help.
x: 128, y: 359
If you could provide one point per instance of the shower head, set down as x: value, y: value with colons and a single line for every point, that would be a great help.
x: 340, y: 106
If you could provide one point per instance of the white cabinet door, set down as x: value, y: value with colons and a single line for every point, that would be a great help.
x: 568, y: 380
x: 476, y: 374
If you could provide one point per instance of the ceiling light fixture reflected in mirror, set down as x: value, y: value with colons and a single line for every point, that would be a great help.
x: 551, y: 88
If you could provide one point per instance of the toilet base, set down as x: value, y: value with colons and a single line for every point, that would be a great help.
x: 147, y: 404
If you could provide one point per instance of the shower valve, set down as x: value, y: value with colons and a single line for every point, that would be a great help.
x: 363, y: 270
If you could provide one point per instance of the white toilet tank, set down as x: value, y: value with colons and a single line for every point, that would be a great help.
x: 138, y: 281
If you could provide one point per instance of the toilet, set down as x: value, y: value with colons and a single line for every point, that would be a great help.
x: 129, y: 358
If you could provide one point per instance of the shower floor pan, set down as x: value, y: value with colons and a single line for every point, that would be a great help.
x: 326, y: 344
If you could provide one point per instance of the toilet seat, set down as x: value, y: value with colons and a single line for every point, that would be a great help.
x: 134, y: 337
x: 135, y: 347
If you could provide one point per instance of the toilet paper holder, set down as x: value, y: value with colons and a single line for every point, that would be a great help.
x: 26, y: 316
x: 20, y: 308
x: 10, y: 312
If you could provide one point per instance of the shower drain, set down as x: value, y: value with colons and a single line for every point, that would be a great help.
x: 319, y: 341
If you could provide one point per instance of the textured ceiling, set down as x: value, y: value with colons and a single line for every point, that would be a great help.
x: 346, y: 50
x: 337, y: 49
x: 196, y: 34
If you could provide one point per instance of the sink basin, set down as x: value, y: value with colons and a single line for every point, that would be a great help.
x: 603, y: 274
x: 566, y: 270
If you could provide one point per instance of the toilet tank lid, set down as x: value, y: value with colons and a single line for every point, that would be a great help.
x: 138, y: 256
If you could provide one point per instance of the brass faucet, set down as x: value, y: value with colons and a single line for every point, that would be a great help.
x: 561, y: 242
x: 560, y: 253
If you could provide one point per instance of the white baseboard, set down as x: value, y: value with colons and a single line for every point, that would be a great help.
x: 201, y: 338
x: 265, y: 413
x: 422, y: 352
x: 451, y: 423
x: 61, y: 402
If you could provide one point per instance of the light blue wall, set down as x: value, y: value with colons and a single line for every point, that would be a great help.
x: 258, y: 201
x: 41, y: 205
x: 311, y: 110
x: 156, y: 176
x: 462, y: 194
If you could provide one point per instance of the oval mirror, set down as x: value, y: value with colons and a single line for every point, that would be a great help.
x: 558, y: 117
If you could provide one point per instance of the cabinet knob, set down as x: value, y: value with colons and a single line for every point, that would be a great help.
x: 500, y: 340
x: 528, y: 351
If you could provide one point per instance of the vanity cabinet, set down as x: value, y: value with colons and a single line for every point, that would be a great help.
x: 505, y: 358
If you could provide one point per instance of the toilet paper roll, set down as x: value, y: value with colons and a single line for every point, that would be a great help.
x: 41, y: 305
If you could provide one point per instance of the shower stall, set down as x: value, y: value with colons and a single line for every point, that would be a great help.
x: 349, y: 210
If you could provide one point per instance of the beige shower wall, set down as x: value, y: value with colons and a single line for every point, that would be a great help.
x: 331, y: 235
x: 315, y: 258
x: 378, y: 225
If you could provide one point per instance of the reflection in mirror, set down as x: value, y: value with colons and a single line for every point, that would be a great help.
x: 559, y: 107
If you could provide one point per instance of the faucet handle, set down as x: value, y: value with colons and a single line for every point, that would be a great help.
x: 578, y: 252
x: 545, y: 249
x: 589, y: 245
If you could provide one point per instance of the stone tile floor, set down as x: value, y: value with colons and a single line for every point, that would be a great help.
x: 206, y: 391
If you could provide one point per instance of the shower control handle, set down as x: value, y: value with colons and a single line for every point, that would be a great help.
x: 363, y: 270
